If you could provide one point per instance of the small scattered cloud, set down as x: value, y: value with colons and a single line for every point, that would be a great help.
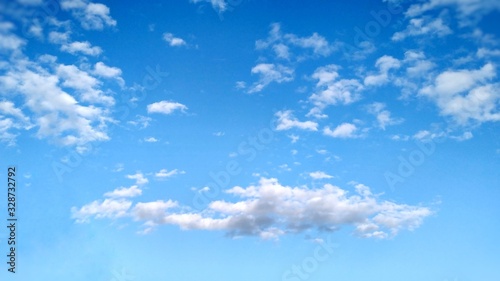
x: 344, y: 130
x: 287, y: 121
x: 319, y: 175
x: 151, y: 139
x: 164, y: 173
x: 121, y: 192
x: 166, y: 107
x: 173, y: 41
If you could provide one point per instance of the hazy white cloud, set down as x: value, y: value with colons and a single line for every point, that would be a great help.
x: 423, y: 27
x: 287, y: 121
x: 109, y: 208
x: 151, y: 139
x: 166, y: 107
x: 283, y: 44
x: 132, y: 191
x: 81, y: 47
x: 318, y: 175
x: 469, y: 11
x: 139, y: 178
x: 8, y: 40
x: 164, y: 173
x: 92, y: 16
x: 270, y: 73
x: 173, y: 41
x: 219, y: 6
x: 383, y: 115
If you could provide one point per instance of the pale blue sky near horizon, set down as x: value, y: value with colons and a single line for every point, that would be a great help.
x: 252, y: 139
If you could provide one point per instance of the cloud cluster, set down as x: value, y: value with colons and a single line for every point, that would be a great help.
x: 270, y: 209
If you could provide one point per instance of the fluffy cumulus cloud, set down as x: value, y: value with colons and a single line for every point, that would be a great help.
x: 94, y: 16
x: 270, y: 209
x: 344, y: 130
x: 466, y: 95
x: 58, y: 115
x: 166, y: 107
x: 330, y: 90
x: 384, y: 64
x: 287, y: 121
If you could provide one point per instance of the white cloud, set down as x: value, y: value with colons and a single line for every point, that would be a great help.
x: 139, y: 178
x: 140, y: 121
x: 164, y: 173
x: 270, y: 209
x: 173, y: 41
x: 132, y: 191
x: 109, y: 208
x: 166, y: 107
x: 8, y: 40
x: 318, y: 175
x: 219, y: 6
x: 331, y: 91
x: 151, y: 139
x: 152, y: 210
x: 103, y: 70
x: 92, y: 16
x: 383, y: 116
x: 270, y: 73
x: 283, y: 44
x: 384, y: 64
x: 84, y: 84
x: 57, y: 114
x: 344, y: 130
x: 81, y: 47
x: 287, y: 121
x: 423, y: 26
x: 316, y: 42
x: 294, y: 138
x: 469, y: 11
x: 466, y: 95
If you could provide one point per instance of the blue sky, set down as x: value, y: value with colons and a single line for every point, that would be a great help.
x: 252, y: 140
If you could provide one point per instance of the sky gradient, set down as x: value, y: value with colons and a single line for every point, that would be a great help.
x: 252, y: 139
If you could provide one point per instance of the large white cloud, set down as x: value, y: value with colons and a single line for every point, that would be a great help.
x: 466, y: 95
x: 270, y: 209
